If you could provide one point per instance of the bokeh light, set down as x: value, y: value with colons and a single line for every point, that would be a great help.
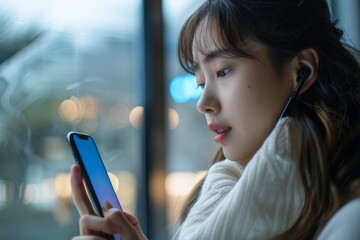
x: 85, y: 110
x: 92, y: 107
x: 174, y: 118
x: 72, y: 110
x: 136, y: 117
x: 114, y: 181
x: 127, y: 190
x: 62, y: 185
x: 178, y: 185
x: 184, y: 88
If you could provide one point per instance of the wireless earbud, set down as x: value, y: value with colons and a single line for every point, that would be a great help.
x: 303, y: 75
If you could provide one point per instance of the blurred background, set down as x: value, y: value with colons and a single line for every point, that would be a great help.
x: 108, y: 68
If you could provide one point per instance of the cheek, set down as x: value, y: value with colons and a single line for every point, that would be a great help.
x: 253, y: 91
x: 254, y: 109
x: 267, y: 97
x: 244, y: 101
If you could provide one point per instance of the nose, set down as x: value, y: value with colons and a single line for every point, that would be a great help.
x: 208, y: 102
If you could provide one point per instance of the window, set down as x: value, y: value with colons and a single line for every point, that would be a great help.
x: 79, y: 65
x: 190, y: 144
x: 69, y: 65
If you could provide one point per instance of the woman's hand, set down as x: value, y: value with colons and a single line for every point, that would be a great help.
x: 95, y: 227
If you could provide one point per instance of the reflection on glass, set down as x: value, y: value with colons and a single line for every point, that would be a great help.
x: 64, y: 65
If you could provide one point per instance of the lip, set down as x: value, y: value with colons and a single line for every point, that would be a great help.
x: 220, y: 131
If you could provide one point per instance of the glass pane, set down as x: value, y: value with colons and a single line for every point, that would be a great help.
x: 190, y: 143
x: 349, y: 19
x: 65, y: 65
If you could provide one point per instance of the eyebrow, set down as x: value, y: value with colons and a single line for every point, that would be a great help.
x: 216, y: 53
x: 210, y: 56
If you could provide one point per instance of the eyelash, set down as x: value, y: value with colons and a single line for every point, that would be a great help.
x: 223, y: 72
x: 201, y: 85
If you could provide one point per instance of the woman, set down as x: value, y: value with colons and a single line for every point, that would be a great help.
x: 281, y: 179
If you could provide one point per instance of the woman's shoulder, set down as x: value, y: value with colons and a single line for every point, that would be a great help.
x: 344, y: 224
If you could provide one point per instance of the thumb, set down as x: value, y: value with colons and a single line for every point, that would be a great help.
x: 107, y: 206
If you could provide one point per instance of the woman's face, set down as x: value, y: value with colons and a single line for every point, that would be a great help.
x: 242, y: 98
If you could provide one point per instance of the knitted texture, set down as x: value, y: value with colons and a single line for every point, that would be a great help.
x: 258, y: 202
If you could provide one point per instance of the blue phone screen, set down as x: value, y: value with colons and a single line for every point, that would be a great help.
x: 96, y: 172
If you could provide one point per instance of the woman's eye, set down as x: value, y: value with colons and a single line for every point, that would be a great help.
x: 201, y: 85
x: 222, y: 72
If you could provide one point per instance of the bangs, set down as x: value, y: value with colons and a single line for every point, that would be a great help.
x: 211, y: 30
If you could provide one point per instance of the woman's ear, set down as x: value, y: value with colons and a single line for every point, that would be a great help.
x: 306, y: 58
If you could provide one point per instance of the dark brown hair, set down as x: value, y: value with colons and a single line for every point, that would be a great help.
x: 325, y: 123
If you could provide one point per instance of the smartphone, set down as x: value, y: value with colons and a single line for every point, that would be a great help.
x: 95, y: 176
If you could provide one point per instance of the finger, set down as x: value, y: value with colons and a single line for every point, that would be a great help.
x: 107, y: 206
x: 80, y: 197
x: 135, y: 222
x: 132, y: 219
x: 92, y: 225
x: 114, y: 221
x: 119, y: 223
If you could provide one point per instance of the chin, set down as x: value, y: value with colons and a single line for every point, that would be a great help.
x: 241, y: 159
x: 229, y: 155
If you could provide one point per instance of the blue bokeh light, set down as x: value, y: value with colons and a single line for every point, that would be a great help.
x: 184, y: 88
